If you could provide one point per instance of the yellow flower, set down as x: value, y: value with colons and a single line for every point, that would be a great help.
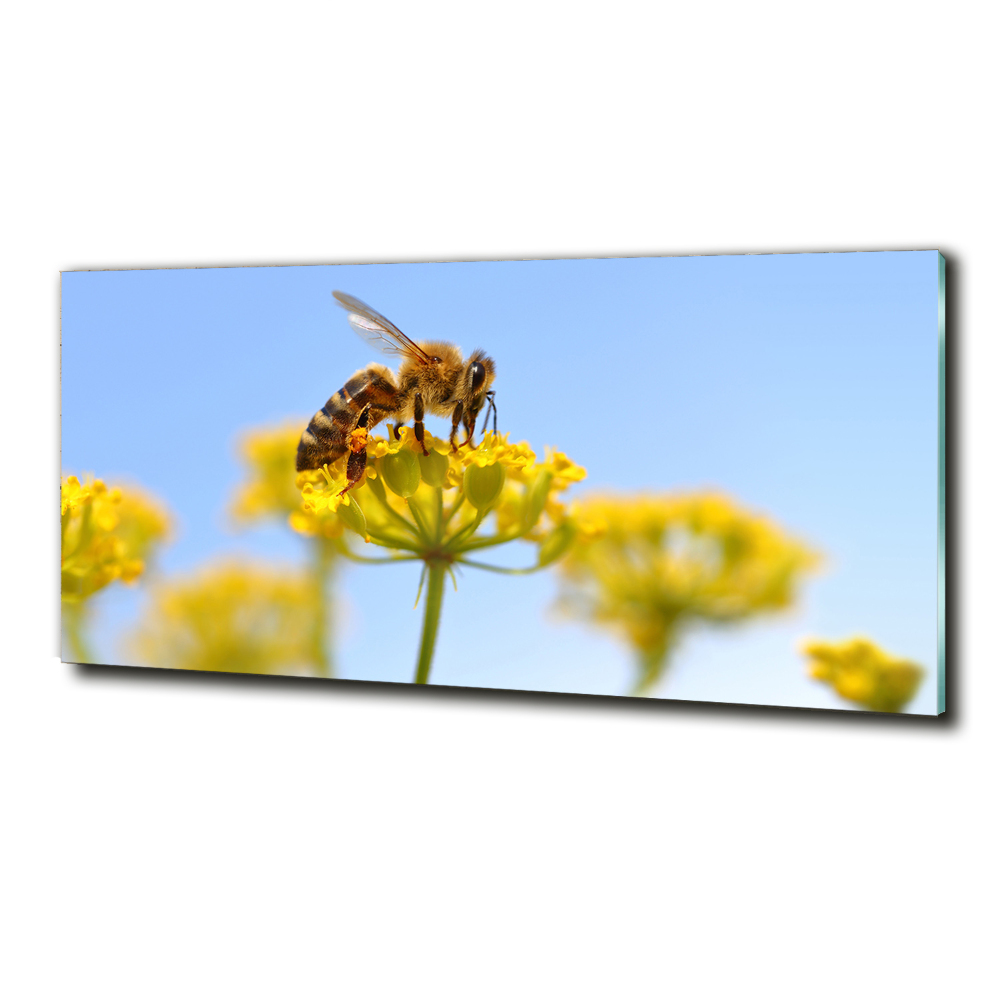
x: 75, y: 494
x: 648, y: 566
x: 442, y: 506
x: 435, y: 503
x: 496, y: 449
x: 564, y: 471
x: 106, y: 535
x: 233, y: 616
x: 861, y: 672
x: 379, y: 447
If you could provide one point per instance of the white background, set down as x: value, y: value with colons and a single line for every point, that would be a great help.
x: 184, y: 837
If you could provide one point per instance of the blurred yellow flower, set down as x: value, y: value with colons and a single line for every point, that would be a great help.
x: 271, y: 489
x: 564, y: 470
x: 861, y: 672
x: 236, y: 617
x: 106, y: 535
x: 649, y: 566
x: 268, y: 453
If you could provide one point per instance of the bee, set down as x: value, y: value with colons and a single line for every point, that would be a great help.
x: 433, y: 377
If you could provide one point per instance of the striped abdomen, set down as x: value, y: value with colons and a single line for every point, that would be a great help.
x: 326, y: 438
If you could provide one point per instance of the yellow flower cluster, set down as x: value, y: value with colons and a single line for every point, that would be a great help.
x: 107, y: 534
x: 861, y: 672
x: 431, y: 506
x: 437, y: 501
x: 270, y: 491
x: 646, y: 566
x: 232, y: 617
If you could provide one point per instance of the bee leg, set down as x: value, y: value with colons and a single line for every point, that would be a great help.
x: 395, y: 430
x: 418, y: 420
x: 357, y: 461
x: 356, y: 466
x: 456, y: 419
x: 470, y: 427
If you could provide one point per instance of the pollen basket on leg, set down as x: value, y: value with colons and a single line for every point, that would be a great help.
x: 358, y: 439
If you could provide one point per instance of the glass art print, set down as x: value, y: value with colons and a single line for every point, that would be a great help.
x: 712, y: 479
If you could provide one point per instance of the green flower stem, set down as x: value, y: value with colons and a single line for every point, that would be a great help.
x: 439, y: 511
x: 324, y: 558
x: 458, y: 539
x: 391, y: 542
x: 454, y: 510
x: 490, y: 540
x: 74, y: 616
x: 426, y: 534
x: 652, y: 665
x: 397, y: 516
x: 432, y: 618
x: 348, y: 554
x: 502, y: 569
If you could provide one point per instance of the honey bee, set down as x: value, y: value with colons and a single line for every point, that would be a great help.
x: 433, y: 377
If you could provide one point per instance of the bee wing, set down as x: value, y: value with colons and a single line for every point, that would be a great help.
x: 377, y: 330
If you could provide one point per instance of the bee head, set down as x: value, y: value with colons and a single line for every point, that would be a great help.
x: 477, y: 379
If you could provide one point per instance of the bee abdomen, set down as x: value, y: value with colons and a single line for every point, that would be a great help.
x: 325, y: 439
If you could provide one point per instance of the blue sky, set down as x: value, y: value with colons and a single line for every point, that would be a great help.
x: 803, y: 385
